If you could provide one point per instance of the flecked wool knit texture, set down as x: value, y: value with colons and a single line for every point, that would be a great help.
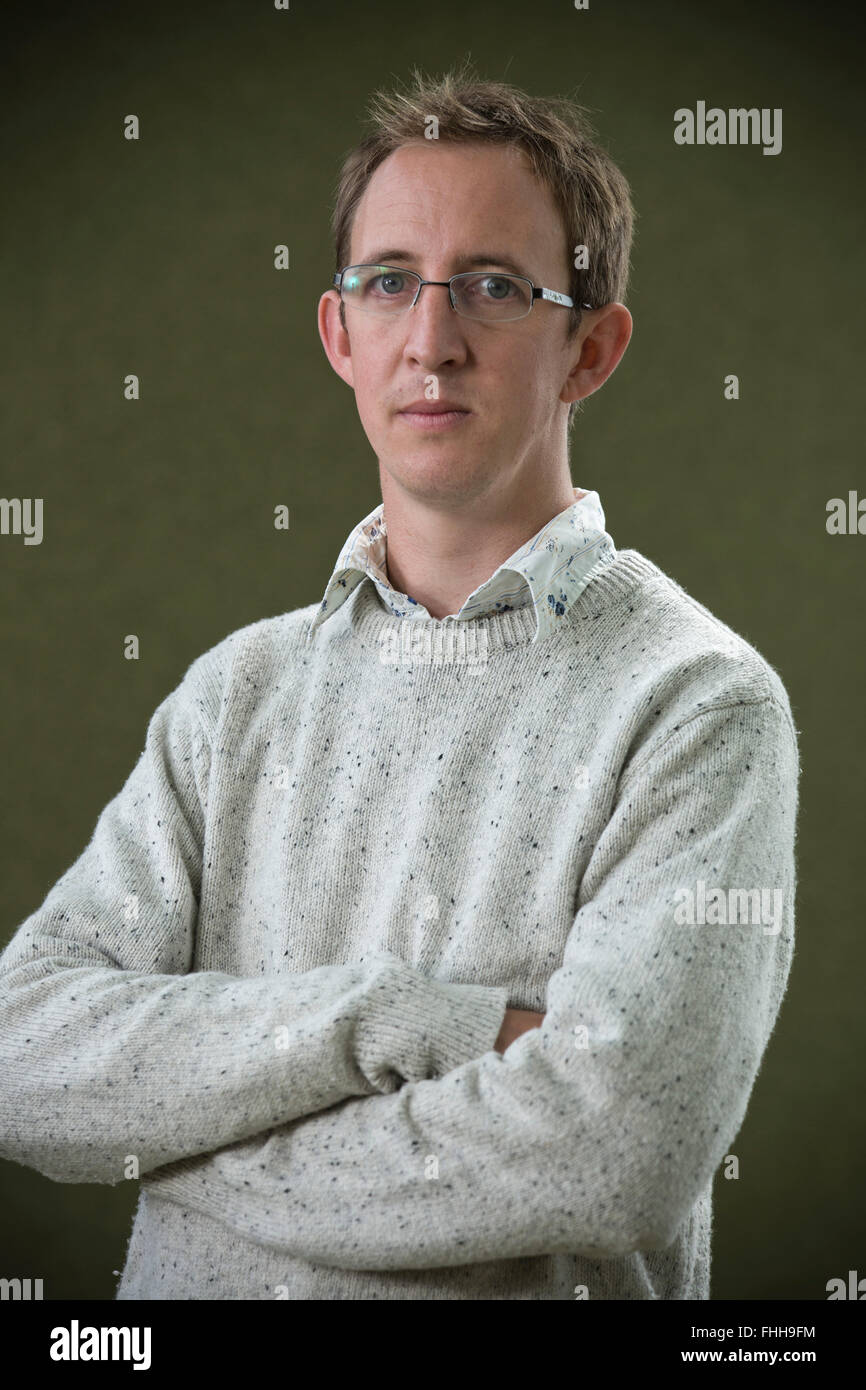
x: 274, y: 978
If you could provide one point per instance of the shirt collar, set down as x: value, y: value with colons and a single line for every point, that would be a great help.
x: 547, y: 572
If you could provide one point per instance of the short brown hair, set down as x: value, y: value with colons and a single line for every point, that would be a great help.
x: 590, y: 191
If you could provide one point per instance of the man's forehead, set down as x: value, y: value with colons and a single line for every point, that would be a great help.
x: 461, y: 169
x: 482, y: 195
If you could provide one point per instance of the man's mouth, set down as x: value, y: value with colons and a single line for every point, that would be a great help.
x: 434, y: 414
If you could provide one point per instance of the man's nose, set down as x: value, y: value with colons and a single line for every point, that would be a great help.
x: 434, y: 330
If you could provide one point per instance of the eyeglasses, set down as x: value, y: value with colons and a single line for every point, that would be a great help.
x: 489, y: 295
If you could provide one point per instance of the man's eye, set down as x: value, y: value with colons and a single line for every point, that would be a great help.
x: 390, y: 282
x: 496, y: 286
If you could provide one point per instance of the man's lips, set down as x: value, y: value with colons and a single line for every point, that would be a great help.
x: 434, y: 417
x: 433, y: 407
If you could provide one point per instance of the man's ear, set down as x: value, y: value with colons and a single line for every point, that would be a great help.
x: 335, y: 338
x: 598, y: 348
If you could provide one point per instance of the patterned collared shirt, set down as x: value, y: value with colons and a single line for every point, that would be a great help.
x: 547, y: 572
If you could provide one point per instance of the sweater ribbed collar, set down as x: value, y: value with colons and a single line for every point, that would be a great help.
x: 611, y: 583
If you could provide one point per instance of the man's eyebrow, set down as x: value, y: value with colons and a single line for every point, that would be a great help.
x: 469, y: 262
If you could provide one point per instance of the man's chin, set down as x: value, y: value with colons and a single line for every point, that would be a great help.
x: 433, y: 471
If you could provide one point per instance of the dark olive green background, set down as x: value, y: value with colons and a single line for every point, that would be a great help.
x: 156, y: 257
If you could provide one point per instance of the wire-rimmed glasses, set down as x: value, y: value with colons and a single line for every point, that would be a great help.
x: 492, y: 296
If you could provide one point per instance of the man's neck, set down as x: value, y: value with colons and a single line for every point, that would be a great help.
x: 439, y: 556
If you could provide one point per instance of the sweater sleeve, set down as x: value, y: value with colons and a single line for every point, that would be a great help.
x: 113, y: 1048
x: 595, y: 1134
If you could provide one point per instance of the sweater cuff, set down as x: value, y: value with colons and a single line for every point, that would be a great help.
x: 474, y: 1015
x: 419, y: 1027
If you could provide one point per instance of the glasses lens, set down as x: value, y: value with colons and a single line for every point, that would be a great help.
x: 492, y: 296
x: 379, y: 289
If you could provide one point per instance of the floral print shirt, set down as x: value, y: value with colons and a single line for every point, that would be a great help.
x: 547, y: 572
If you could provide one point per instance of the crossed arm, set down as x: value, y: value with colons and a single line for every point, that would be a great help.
x: 390, y: 1128
x: 113, y: 1049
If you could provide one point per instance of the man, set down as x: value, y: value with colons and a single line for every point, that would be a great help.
x: 433, y: 946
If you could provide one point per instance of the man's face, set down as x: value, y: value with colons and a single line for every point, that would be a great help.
x: 452, y: 208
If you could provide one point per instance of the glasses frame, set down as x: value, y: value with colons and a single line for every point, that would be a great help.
x: 538, y: 292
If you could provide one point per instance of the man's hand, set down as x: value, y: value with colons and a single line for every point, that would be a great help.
x: 515, y: 1024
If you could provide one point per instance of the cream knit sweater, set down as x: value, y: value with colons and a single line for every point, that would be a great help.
x: 271, y: 985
